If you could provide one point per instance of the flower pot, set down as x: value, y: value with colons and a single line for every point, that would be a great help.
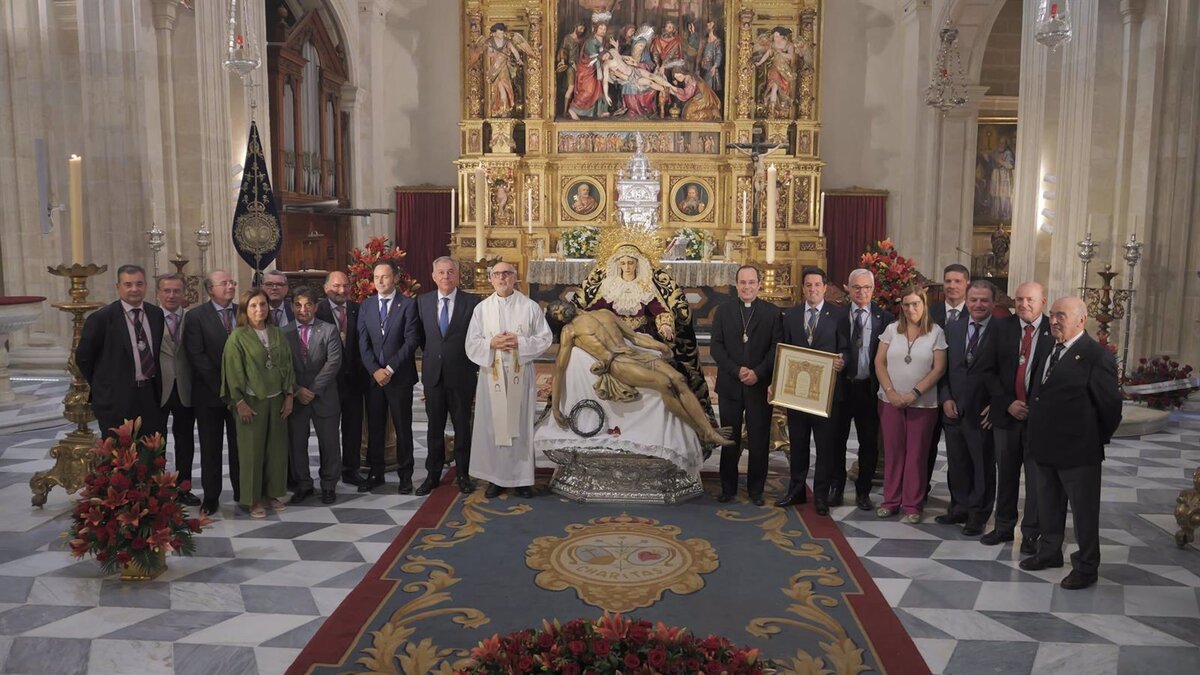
x: 132, y: 571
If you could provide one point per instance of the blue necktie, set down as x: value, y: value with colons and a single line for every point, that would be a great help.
x: 444, y: 317
x: 383, y: 312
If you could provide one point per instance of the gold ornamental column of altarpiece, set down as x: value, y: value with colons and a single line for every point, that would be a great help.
x: 536, y: 159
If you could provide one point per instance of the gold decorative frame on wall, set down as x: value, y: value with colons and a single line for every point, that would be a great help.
x: 678, y: 191
x: 570, y: 192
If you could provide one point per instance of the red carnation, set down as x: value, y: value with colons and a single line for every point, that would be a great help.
x: 639, y: 634
x: 602, y: 647
x: 714, y: 668
x: 577, y: 647
x: 632, y: 660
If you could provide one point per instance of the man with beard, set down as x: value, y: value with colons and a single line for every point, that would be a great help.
x: 568, y: 52
x: 589, y: 99
x: 712, y: 57
x: 342, y: 312
x: 664, y: 49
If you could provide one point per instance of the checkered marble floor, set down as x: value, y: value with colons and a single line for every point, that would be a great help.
x: 257, y: 590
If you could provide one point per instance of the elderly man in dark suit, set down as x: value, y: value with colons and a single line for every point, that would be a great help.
x: 176, y: 398
x: 861, y: 387
x: 814, y: 324
x: 966, y: 392
x: 447, y: 375
x: 1074, y: 408
x: 316, y: 358
x: 388, y: 336
x: 1025, y: 344
x: 744, y: 335
x: 342, y: 312
x: 118, y: 354
x: 204, y: 335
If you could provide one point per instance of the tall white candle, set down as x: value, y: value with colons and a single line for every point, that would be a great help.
x: 744, y: 211
x: 453, y: 205
x: 481, y: 211
x: 529, y: 210
x: 772, y: 200
x: 75, y: 178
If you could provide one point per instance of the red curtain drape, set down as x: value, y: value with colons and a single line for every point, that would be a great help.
x: 852, y: 223
x: 422, y: 229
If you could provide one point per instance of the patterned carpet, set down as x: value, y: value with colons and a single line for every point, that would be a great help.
x: 258, y: 590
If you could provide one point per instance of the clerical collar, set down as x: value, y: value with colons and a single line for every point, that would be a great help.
x: 747, y: 304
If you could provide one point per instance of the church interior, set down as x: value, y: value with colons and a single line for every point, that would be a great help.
x: 1025, y: 140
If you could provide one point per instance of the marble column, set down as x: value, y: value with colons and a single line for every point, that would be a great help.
x: 1034, y: 139
x: 372, y: 189
x: 959, y: 129
x: 917, y: 205
x: 165, y: 14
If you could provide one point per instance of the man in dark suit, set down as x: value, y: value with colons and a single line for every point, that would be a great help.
x: 1025, y: 344
x: 342, y: 312
x: 1074, y: 408
x: 275, y: 285
x: 955, y: 278
x: 176, y: 398
x: 316, y: 358
x: 204, y: 335
x: 966, y: 392
x: 744, y: 335
x: 388, y: 335
x: 447, y: 375
x: 861, y: 387
x: 118, y: 356
x: 814, y: 324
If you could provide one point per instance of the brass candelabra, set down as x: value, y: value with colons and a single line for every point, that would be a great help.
x: 72, y: 455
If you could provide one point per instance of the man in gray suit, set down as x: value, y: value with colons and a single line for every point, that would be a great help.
x: 316, y: 357
x: 176, y: 377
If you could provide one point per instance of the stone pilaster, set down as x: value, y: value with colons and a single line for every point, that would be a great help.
x: 916, y: 202
x: 1032, y: 109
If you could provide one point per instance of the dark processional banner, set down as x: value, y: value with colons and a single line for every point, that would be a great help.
x: 257, y: 233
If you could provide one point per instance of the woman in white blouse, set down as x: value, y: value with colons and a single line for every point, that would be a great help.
x: 908, y: 369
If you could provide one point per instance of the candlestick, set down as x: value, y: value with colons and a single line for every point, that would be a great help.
x: 453, y: 206
x: 744, y: 211
x: 75, y: 178
x: 772, y: 199
x: 529, y: 210
x: 481, y: 209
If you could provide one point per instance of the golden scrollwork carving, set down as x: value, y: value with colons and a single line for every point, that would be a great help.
x: 533, y: 182
x: 808, y: 65
x: 502, y: 136
x: 844, y: 655
x: 534, y: 98
x: 474, y: 70
x: 1187, y: 512
x: 800, y: 200
x: 777, y: 131
x: 773, y: 522
x: 476, y: 510
x: 744, y: 98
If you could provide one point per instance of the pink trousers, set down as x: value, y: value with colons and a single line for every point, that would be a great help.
x: 907, y: 433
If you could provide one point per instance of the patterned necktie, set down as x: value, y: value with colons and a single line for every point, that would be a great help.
x: 277, y: 316
x: 860, y: 322
x: 227, y: 319
x: 145, y: 353
x: 339, y: 311
x: 173, y: 326
x: 811, y: 327
x: 953, y: 315
x: 383, y: 313
x: 1023, y: 365
x: 304, y: 328
x: 1058, y: 350
x: 444, y: 317
x: 976, y: 329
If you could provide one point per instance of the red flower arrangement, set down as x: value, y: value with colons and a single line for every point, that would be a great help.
x: 1160, y: 369
x: 129, y: 510
x: 893, y: 273
x: 362, y: 269
x: 611, y: 644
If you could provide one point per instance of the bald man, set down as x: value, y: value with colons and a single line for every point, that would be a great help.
x: 1074, y: 408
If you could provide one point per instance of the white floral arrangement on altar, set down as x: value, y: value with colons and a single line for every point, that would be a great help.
x: 579, y: 242
x: 692, y: 244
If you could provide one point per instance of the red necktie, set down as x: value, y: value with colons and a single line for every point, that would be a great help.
x: 1026, y: 348
x: 304, y: 341
x: 340, y: 312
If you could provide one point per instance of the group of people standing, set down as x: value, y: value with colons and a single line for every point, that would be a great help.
x: 1023, y: 394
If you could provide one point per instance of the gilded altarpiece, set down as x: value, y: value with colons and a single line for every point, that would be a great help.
x: 556, y: 92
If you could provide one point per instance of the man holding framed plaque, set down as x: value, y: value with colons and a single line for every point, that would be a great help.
x: 820, y: 326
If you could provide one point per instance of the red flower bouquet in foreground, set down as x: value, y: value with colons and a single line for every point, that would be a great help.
x: 610, y: 645
x: 1160, y: 369
x: 129, y: 510
x: 362, y: 269
x: 893, y: 273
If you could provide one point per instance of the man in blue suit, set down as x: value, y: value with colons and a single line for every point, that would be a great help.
x: 388, y: 336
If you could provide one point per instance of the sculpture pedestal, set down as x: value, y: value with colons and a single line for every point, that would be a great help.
x: 619, y: 476
x: 15, y: 313
x: 1139, y: 420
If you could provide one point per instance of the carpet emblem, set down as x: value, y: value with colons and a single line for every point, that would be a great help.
x: 621, y: 563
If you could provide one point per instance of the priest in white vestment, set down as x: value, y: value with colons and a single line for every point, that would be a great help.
x: 507, y: 332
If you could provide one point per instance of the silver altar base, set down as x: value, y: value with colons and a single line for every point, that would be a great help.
x: 619, y: 476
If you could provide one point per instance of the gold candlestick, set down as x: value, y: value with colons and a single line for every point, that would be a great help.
x: 772, y: 290
x: 72, y: 455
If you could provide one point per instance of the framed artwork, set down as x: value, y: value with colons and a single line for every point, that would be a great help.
x: 583, y: 199
x: 804, y: 379
x: 691, y: 200
x: 995, y: 162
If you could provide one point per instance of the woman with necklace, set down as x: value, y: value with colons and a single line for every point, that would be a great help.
x: 257, y: 381
x: 909, y: 370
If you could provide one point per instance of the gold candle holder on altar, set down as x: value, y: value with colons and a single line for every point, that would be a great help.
x: 72, y: 455
x: 772, y: 291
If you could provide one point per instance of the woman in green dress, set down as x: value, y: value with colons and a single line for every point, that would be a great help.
x: 257, y: 381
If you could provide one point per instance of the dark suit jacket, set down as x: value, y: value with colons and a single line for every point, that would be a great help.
x: 351, y: 371
x: 318, y: 372
x: 1074, y: 414
x: 204, y: 337
x: 444, y: 359
x: 880, y: 319
x: 106, y: 359
x: 937, y: 314
x: 831, y: 335
x: 287, y: 311
x: 971, y: 386
x: 764, y: 330
x: 1009, y: 347
x: 397, y: 347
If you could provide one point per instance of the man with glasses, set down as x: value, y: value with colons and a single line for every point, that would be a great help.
x: 176, y: 398
x: 204, y: 335
x: 275, y: 284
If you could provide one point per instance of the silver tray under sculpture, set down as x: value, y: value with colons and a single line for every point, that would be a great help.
x: 610, y: 475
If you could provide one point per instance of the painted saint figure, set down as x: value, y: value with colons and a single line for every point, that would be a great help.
x: 583, y: 202
x: 503, y: 59
x: 1001, y: 185
x: 590, y: 99
x: 712, y: 57
x: 701, y: 103
x: 777, y: 93
x: 691, y: 204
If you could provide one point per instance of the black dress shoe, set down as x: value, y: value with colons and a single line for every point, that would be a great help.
x: 757, y: 500
x: 1077, y: 580
x: 1029, y: 545
x: 794, y: 495
x: 429, y: 485
x: 822, y: 508
x: 351, y: 478
x: 493, y: 491
x: 836, y: 497
x: 724, y: 497
x: 950, y: 519
x: 188, y: 499
x: 864, y: 503
x: 370, y: 483
x: 466, y: 487
x: 995, y: 537
x: 972, y: 530
x: 299, y: 496
x: 328, y: 496
x: 525, y: 492
x: 405, y: 487
x: 1035, y: 563
x: 208, y: 507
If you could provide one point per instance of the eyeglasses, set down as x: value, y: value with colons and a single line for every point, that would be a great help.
x: 274, y: 284
x: 862, y: 288
x: 504, y: 273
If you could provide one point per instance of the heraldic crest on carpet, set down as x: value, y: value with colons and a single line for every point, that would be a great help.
x: 621, y: 563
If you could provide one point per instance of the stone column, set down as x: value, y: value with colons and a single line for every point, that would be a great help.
x: 959, y: 129
x: 372, y: 116
x: 1033, y: 144
x: 917, y: 204
x: 165, y: 14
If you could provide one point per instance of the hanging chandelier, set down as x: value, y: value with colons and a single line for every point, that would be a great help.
x: 947, y: 88
x: 241, y: 56
x: 1054, y: 23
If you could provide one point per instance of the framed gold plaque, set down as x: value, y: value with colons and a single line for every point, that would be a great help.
x: 804, y: 379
